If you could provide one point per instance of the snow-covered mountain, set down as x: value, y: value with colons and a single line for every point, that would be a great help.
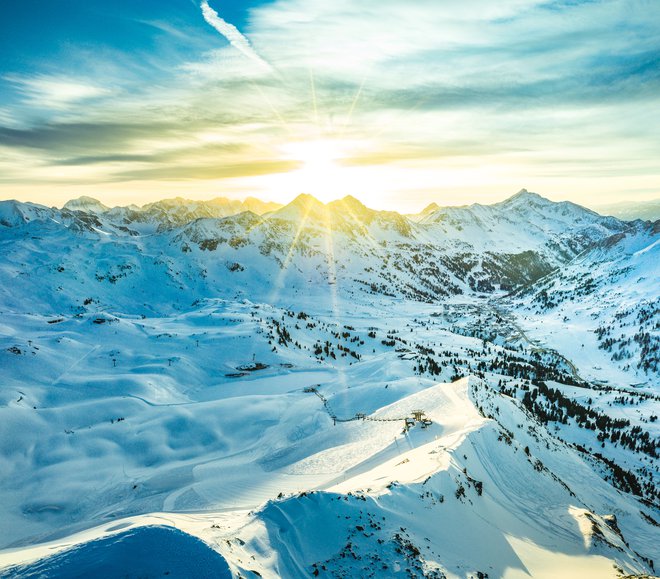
x: 328, y: 390
x: 607, y: 300
x: 169, y: 213
x: 86, y: 204
x: 525, y: 221
x: 452, y: 252
x: 15, y: 213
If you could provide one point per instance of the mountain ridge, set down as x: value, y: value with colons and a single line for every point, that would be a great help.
x: 452, y: 251
x: 261, y: 207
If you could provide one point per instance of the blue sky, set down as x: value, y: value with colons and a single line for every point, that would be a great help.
x: 395, y: 102
x: 63, y: 37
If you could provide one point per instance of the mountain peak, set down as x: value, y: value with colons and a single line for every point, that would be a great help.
x: 349, y: 204
x: 305, y: 200
x: 304, y: 206
x: 85, y: 203
x: 260, y: 207
x: 353, y: 201
x: 430, y: 208
x: 525, y: 196
x: 307, y: 204
x: 524, y: 193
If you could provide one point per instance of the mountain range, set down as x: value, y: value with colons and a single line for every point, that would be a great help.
x: 328, y: 390
x: 441, y: 252
x: 629, y: 210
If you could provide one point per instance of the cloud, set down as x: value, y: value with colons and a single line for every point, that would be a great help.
x: 104, y: 159
x: 81, y: 137
x: 56, y: 92
x: 208, y: 171
x: 232, y: 34
x: 515, y: 84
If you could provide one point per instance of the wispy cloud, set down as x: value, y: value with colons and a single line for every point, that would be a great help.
x: 232, y: 34
x: 56, y: 92
x: 82, y: 137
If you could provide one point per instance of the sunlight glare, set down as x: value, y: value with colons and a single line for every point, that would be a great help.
x: 321, y: 173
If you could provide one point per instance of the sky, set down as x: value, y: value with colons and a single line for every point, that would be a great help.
x: 398, y: 102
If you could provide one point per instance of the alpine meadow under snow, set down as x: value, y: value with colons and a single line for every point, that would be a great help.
x: 223, y: 388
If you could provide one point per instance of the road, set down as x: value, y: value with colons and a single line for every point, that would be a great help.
x: 535, y: 345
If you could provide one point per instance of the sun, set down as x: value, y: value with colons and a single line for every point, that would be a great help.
x: 321, y: 172
x: 330, y: 168
x: 320, y: 151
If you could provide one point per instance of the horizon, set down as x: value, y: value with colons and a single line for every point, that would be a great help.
x: 397, y: 105
x: 418, y: 210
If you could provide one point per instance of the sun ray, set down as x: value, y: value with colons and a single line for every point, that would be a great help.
x: 367, y: 235
x: 352, y: 107
x: 279, y: 283
x: 277, y: 114
x: 334, y: 285
x: 312, y: 85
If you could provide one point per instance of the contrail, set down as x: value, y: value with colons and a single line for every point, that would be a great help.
x: 231, y: 33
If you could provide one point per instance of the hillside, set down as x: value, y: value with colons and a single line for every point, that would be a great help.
x: 606, y: 301
x: 328, y: 390
x: 414, y: 506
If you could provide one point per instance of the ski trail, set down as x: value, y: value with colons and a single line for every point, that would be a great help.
x: 78, y: 361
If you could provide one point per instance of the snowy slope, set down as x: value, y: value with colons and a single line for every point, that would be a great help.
x: 524, y: 222
x: 417, y: 506
x: 606, y: 300
x: 148, y: 551
x: 462, y: 489
x: 247, y: 379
